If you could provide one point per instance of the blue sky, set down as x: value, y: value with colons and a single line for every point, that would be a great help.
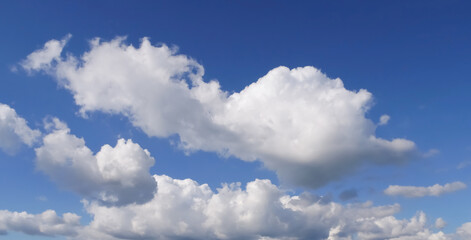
x: 223, y: 92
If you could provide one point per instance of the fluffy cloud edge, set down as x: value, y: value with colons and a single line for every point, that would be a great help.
x: 42, y: 59
x: 114, y: 175
x: 14, y: 131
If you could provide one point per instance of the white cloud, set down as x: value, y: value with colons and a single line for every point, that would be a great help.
x: 440, y: 223
x: 115, y: 175
x: 180, y: 209
x: 413, y: 191
x: 305, y: 126
x: 47, y: 223
x: 42, y: 59
x: 384, y: 119
x: 464, y: 231
x: 115, y: 183
x: 184, y: 209
x: 14, y: 131
x: 392, y: 228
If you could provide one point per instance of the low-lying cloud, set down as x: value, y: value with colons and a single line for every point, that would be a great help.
x: 126, y: 202
x: 184, y: 209
x: 415, y: 192
x: 47, y: 223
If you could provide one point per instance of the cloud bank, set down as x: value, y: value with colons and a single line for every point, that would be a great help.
x: 300, y: 123
x: 14, y: 131
x: 124, y: 204
x: 414, y: 192
x: 184, y: 209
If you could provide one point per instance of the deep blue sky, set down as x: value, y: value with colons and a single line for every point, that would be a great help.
x: 413, y: 56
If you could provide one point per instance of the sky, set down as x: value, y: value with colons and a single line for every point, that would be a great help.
x: 334, y: 120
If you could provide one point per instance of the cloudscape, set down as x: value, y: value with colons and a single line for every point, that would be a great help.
x: 235, y: 120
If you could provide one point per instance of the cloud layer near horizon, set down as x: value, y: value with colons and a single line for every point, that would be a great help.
x: 414, y: 191
x: 175, y: 209
x: 184, y: 209
x: 47, y: 223
x: 305, y: 126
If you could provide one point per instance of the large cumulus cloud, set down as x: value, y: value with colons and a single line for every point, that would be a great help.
x: 300, y: 123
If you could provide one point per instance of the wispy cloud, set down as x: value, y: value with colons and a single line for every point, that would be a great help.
x: 414, y: 192
x: 463, y: 164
